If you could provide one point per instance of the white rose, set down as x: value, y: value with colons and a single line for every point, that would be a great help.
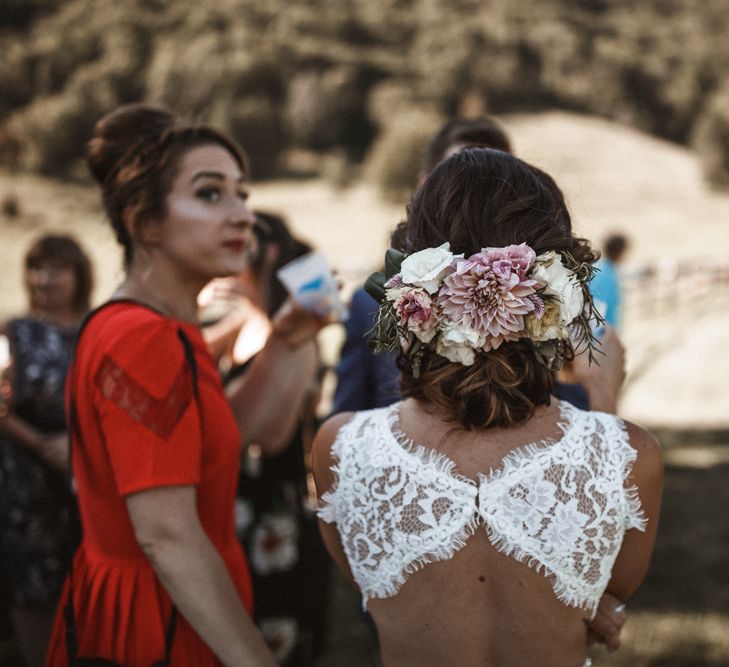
x: 457, y: 344
x: 393, y: 293
x: 559, y: 282
x: 427, y: 268
x: 547, y: 327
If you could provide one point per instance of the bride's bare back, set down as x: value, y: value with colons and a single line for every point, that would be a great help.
x: 477, y: 605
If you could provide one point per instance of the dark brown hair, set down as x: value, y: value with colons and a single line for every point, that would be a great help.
x: 483, y: 132
x: 615, y: 246
x: 64, y: 250
x: 475, y: 199
x: 134, y: 155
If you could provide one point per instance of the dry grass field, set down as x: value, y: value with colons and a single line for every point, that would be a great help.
x: 615, y: 179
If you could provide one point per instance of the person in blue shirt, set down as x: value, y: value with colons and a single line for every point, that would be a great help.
x: 605, y: 286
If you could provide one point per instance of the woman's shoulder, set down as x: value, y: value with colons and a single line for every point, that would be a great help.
x: 643, y: 450
x: 130, y: 336
x: 636, y: 436
x: 327, y: 443
x: 30, y: 330
x: 124, y: 313
x: 122, y: 321
x: 649, y: 459
x: 321, y: 453
x: 329, y: 430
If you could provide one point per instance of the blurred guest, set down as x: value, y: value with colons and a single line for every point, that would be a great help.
x: 605, y: 286
x: 33, y: 448
x: 275, y: 517
x: 483, y: 521
x: 159, y: 576
x: 460, y: 133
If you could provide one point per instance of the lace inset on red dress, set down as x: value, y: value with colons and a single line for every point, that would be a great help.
x: 159, y: 415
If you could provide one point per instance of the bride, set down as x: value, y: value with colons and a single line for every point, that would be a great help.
x: 483, y: 521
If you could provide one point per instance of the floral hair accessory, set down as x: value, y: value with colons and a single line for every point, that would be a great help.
x: 460, y: 306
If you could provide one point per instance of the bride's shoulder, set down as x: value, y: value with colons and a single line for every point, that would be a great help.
x: 321, y: 452
x: 645, y: 444
x: 328, y: 431
x: 649, y: 459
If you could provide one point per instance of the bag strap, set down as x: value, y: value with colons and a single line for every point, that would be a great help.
x: 68, y: 612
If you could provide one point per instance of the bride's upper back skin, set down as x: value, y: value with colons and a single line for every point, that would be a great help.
x: 481, y: 518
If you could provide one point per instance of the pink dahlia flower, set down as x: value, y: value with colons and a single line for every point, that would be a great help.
x: 490, y: 293
x: 516, y: 259
x: 395, y: 282
x: 416, y: 311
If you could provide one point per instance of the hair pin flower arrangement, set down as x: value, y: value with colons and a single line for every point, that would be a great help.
x: 460, y: 306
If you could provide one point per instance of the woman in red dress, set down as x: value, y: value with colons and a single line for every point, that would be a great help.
x: 155, y: 445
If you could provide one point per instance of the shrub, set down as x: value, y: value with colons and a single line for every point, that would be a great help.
x: 711, y: 140
x: 16, y: 85
x: 327, y: 108
x: 16, y: 14
x: 387, y: 100
x: 174, y: 78
x: 256, y: 123
x: 10, y: 206
x: 396, y: 158
x: 54, y: 129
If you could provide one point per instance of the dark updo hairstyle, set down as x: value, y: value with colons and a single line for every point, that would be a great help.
x: 134, y: 155
x: 64, y: 250
x: 475, y: 199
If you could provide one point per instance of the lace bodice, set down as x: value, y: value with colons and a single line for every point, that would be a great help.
x: 561, y: 507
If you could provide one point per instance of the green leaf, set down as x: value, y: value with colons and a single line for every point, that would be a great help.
x: 375, y: 286
x: 393, y: 262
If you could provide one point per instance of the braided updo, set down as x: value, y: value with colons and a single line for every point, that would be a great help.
x: 475, y: 199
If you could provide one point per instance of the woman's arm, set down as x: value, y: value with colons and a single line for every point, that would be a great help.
x: 324, y: 477
x: 267, y: 399
x: 220, y: 337
x: 608, y: 622
x: 168, y: 529
x: 604, y: 378
x: 52, y: 448
x: 634, y: 558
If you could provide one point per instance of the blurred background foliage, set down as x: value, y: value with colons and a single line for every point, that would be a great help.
x: 353, y: 84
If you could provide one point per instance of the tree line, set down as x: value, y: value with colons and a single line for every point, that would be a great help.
x: 358, y: 83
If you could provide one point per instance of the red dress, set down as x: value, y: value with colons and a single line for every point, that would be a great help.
x: 141, y: 427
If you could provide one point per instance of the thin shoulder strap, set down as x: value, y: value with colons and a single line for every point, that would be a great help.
x: 190, y: 357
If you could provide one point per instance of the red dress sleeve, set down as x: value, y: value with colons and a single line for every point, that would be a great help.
x: 149, y: 417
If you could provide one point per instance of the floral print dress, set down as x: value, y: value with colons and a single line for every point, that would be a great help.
x: 33, y: 495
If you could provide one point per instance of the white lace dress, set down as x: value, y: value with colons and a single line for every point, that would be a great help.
x: 561, y: 506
